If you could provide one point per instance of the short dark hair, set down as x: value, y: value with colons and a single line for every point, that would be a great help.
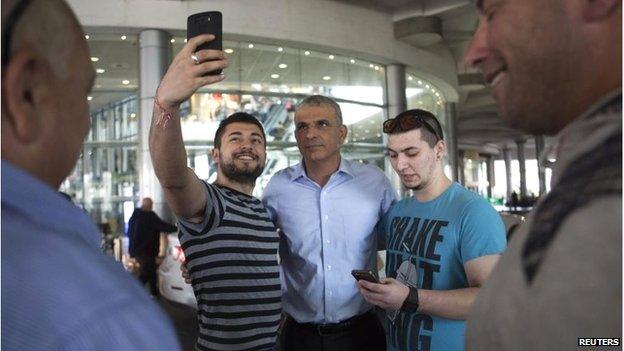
x: 430, y: 128
x: 238, y: 117
x: 318, y: 100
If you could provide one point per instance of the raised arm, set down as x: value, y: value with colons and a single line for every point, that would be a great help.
x: 183, y: 189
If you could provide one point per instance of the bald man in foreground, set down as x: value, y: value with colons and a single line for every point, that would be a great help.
x: 59, y: 292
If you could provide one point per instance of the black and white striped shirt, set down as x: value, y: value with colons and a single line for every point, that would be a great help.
x: 232, y: 259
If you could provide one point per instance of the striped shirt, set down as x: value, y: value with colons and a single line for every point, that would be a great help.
x: 232, y: 259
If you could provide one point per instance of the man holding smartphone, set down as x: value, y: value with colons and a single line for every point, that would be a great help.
x: 442, y: 243
x: 229, y: 240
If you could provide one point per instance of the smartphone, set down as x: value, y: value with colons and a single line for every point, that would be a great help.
x: 206, y: 23
x: 365, y: 274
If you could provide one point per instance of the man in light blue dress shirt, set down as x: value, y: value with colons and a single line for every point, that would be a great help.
x: 59, y: 291
x: 327, y: 208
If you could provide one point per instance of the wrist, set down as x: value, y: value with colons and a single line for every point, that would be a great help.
x: 166, y: 110
x: 166, y: 106
x: 411, y: 301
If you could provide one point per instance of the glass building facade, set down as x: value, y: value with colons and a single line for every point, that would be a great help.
x: 265, y: 80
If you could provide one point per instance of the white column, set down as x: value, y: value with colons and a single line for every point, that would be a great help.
x: 154, y: 53
x: 507, y: 158
x: 451, y: 139
x: 522, y: 162
x: 397, y: 103
x: 541, y: 171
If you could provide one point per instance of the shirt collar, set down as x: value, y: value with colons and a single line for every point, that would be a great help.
x: 345, y: 167
x: 43, y: 205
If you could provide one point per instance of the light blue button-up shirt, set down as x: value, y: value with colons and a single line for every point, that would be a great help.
x: 325, y: 233
x: 59, y: 291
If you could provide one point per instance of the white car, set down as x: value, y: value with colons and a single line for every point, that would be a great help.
x: 170, y: 282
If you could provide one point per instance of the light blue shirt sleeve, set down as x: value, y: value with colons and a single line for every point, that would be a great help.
x: 390, y: 197
x: 482, y: 231
x: 269, y: 198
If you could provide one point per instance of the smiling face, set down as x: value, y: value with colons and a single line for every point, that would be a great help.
x: 319, y: 134
x: 417, y: 163
x: 524, y: 48
x: 242, y: 154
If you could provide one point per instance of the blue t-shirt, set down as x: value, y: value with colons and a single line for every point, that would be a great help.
x: 428, y: 244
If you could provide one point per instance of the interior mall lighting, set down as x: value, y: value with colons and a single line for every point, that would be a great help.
x: 89, y: 98
x: 251, y: 46
x: 410, y: 78
x: 427, y: 86
x: 100, y: 70
x: 352, y: 61
x: 172, y: 40
x: 282, y: 65
x: 95, y: 59
x: 228, y: 51
x: 420, y: 82
x: 371, y: 66
x: 331, y: 57
x: 87, y: 36
x: 123, y: 37
x: 185, y: 40
x: 133, y: 115
x: 280, y: 49
x: 275, y: 75
x: 125, y: 82
x: 326, y: 78
x: 306, y: 53
x: 376, y: 68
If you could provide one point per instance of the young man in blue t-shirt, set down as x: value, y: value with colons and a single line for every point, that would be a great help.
x: 442, y: 243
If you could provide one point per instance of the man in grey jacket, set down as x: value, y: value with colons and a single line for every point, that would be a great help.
x: 555, y: 67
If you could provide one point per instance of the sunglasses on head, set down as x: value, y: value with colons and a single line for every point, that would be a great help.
x: 407, y: 122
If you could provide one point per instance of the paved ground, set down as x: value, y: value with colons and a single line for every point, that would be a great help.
x: 184, y: 319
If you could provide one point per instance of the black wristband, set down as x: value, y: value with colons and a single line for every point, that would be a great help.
x: 411, y: 302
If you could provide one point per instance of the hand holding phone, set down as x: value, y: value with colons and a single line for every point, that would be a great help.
x: 365, y: 274
x: 207, y: 23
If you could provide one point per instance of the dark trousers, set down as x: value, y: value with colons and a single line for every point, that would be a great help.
x: 147, y: 273
x: 363, y: 332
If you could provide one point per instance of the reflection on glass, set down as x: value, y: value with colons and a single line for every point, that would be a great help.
x: 257, y: 67
x: 267, y: 81
x: 424, y: 95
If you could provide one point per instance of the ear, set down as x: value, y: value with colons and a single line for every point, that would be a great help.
x: 343, y: 133
x: 595, y: 10
x: 25, y: 87
x: 440, y: 149
x: 214, y: 153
